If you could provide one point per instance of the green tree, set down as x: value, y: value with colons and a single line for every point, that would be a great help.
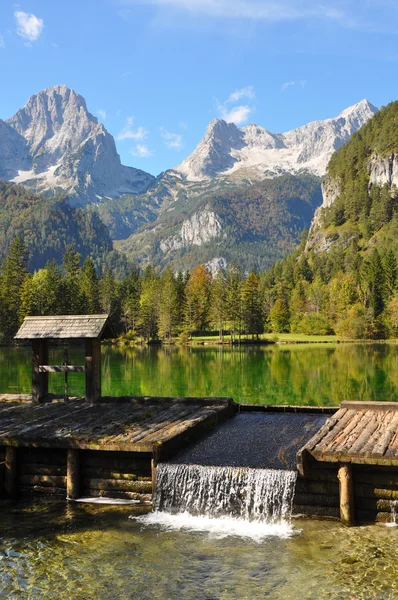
x: 253, y: 321
x: 219, y: 303
x: 149, y: 305
x: 168, y: 307
x: 89, y: 287
x: 13, y: 274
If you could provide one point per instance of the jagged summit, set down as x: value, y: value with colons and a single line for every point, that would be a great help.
x: 63, y: 146
x: 225, y: 149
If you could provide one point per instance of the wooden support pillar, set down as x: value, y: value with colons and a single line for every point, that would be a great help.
x: 73, y: 473
x: 11, y: 472
x: 346, y: 488
x: 93, y: 370
x: 39, y: 380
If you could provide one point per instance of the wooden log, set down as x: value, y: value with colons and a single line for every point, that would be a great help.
x: 39, y: 489
x: 61, y: 369
x: 72, y: 473
x: 368, y: 405
x: 370, y: 491
x: 43, y: 456
x: 144, y: 487
x: 43, y: 480
x: 39, y: 380
x: 11, y: 472
x: 51, y: 470
x: 347, y: 509
x: 317, y: 487
x: 380, y: 477
x: 98, y: 473
x: 93, y: 370
x: 316, y: 499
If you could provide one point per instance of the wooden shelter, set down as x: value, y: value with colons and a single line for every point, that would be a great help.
x: 359, y: 437
x: 90, y: 329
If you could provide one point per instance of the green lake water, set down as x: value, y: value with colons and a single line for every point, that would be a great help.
x: 311, y: 374
x: 80, y: 552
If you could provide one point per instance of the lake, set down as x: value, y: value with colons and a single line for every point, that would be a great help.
x: 310, y: 374
x: 51, y: 550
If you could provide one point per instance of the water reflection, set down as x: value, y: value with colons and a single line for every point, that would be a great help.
x: 295, y: 374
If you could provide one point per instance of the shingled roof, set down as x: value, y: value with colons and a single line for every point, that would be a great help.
x: 66, y: 327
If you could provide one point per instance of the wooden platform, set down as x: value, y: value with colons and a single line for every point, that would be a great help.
x: 359, y: 433
x: 122, y: 424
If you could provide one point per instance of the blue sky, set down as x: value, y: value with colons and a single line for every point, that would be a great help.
x: 156, y: 71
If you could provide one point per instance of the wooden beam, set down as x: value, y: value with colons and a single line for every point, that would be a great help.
x: 368, y: 405
x: 11, y: 472
x: 39, y: 380
x: 346, y: 490
x: 93, y: 370
x: 73, y: 473
x: 61, y: 369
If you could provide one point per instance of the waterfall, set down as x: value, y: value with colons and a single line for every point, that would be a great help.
x: 262, y: 495
x: 394, y: 506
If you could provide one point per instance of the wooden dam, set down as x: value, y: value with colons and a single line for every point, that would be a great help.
x: 347, y: 458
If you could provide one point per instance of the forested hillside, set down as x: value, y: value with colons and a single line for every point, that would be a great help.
x: 344, y: 278
x: 251, y: 226
x: 49, y: 225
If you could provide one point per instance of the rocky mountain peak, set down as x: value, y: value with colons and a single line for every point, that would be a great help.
x: 257, y: 152
x: 66, y: 149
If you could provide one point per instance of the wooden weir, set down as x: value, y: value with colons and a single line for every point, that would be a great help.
x: 361, y: 439
x: 109, y: 448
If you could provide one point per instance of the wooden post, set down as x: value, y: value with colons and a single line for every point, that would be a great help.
x: 11, y: 472
x: 153, y: 472
x: 93, y: 370
x: 39, y: 379
x: 72, y: 473
x: 347, y: 508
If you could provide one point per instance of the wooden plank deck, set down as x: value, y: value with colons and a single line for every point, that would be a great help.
x: 358, y: 433
x: 123, y: 424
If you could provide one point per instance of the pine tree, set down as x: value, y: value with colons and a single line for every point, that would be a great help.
x: 197, y: 303
x: 168, y: 307
x: 13, y: 274
x: 149, y: 305
x: 218, y: 303
x: 71, y: 264
x: 390, y: 273
x: 253, y: 321
x: 130, y: 306
x: 89, y: 287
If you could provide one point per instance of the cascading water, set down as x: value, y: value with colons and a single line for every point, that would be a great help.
x: 393, y: 522
x: 249, y: 502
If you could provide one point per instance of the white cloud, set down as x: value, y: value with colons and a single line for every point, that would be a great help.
x: 129, y: 133
x: 247, y: 92
x: 289, y: 84
x: 269, y: 10
x: 237, y: 114
x: 101, y: 113
x: 141, y: 151
x: 171, y: 140
x: 29, y: 27
x: 2, y: 42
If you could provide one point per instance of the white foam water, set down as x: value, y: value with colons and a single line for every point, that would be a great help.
x: 223, y: 501
x: 393, y: 522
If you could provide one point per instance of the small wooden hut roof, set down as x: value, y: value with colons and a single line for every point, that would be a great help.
x: 359, y: 433
x: 66, y: 327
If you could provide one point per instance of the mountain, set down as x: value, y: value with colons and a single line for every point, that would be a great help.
x: 54, y: 144
x: 252, y: 227
x: 225, y: 149
x: 197, y: 214
x: 344, y: 277
x: 360, y: 188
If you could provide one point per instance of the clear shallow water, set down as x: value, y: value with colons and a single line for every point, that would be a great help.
x: 54, y: 551
x: 312, y: 374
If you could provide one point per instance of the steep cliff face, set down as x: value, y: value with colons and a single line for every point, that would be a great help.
x: 361, y: 186
x: 201, y: 227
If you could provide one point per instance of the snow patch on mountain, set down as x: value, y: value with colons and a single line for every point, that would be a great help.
x: 225, y: 149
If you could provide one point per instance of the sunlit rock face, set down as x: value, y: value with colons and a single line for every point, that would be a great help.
x: 61, y: 146
x: 225, y: 149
